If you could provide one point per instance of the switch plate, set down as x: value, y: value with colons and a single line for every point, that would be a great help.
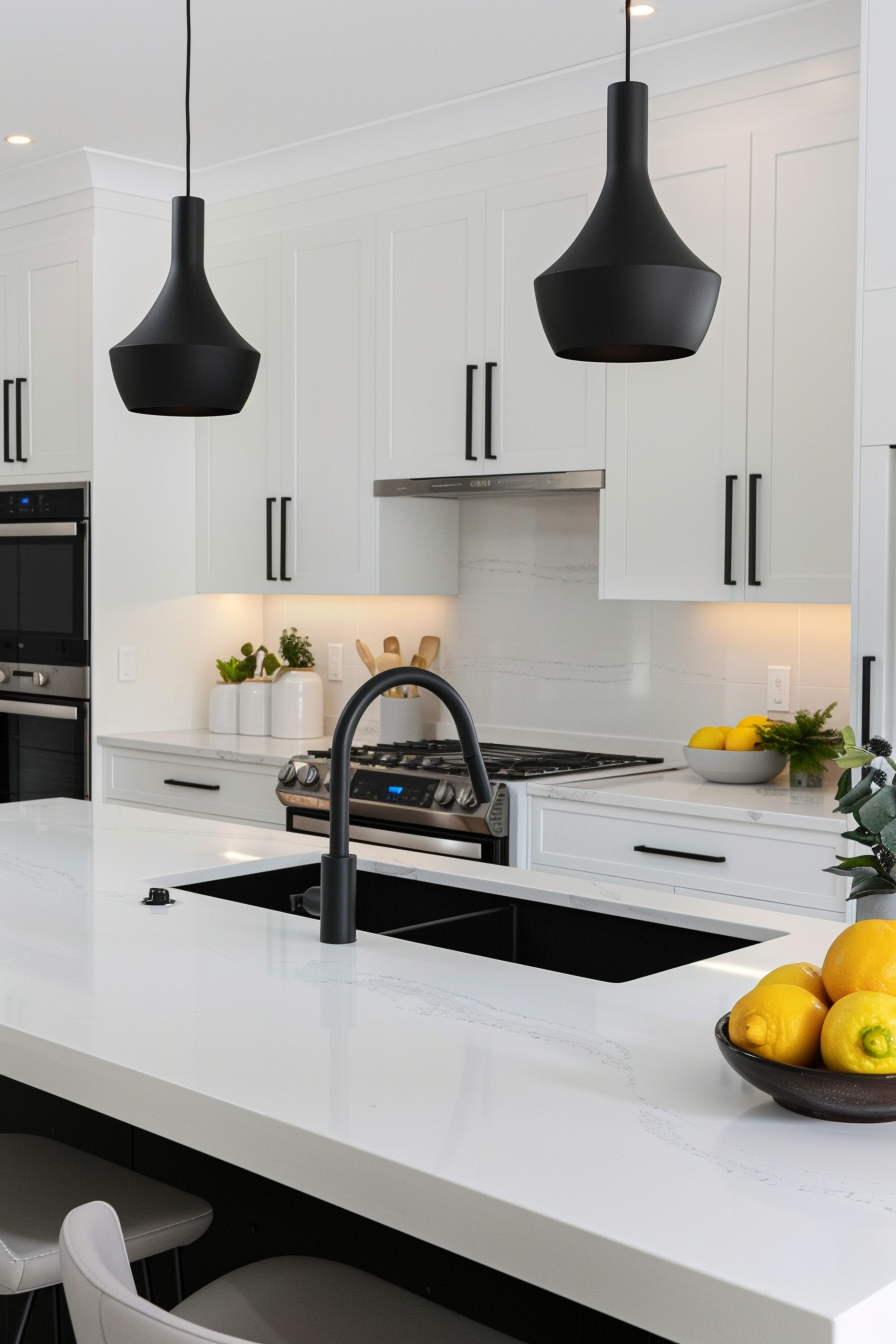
x: 127, y: 664
x: 778, y: 695
x: 334, y: 662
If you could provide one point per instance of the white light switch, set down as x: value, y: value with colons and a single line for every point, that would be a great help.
x: 334, y: 662
x: 127, y: 664
x: 778, y: 698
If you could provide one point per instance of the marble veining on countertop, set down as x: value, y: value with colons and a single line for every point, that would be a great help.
x: 683, y: 791
x: 216, y: 746
x: 580, y: 1135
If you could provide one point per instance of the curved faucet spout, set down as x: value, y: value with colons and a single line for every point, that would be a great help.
x: 338, y: 867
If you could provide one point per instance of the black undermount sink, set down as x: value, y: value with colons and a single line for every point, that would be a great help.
x: 554, y: 937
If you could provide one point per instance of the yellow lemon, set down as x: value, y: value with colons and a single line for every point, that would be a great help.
x: 801, y: 973
x: 752, y: 721
x: 725, y: 729
x: 742, y: 738
x: 780, y: 1022
x: 863, y: 956
x: 708, y: 739
x: 859, y: 1034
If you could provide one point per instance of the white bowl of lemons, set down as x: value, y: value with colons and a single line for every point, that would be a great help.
x: 728, y: 755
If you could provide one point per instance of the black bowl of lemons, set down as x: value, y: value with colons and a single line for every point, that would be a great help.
x: 727, y: 755
x: 822, y: 1040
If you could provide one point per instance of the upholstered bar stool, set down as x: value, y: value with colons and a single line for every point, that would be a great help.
x: 294, y: 1299
x: 41, y: 1180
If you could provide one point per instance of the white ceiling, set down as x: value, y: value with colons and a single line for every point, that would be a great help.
x: 109, y: 73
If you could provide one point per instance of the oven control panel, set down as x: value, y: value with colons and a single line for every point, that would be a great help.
x: 377, y: 786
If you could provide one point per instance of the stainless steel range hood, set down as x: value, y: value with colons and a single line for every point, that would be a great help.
x: 469, y: 487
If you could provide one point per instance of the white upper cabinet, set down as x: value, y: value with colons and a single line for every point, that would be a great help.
x: 676, y: 430
x: 544, y: 413
x: 45, y: 355
x: 878, y: 422
x: 430, y: 300
x: 238, y: 458
x: 802, y: 361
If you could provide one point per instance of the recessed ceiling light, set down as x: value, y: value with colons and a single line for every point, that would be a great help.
x: 18, y: 140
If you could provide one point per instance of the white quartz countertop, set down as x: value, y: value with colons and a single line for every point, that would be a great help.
x: 685, y: 792
x: 216, y: 746
x: 583, y: 1136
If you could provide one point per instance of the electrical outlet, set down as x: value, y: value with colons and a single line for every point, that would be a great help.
x: 334, y: 662
x: 778, y: 695
x: 127, y: 664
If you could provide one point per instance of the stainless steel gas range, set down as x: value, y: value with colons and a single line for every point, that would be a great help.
x: 417, y: 795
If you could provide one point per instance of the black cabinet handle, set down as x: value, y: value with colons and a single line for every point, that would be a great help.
x: 755, y: 478
x: 20, y: 457
x: 468, y: 452
x: 680, y: 854
x: 729, y: 527
x: 868, y: 659
x: 488, y: 413
x: 269, y: 522
x: 286, y: 499
x: 7, y: 384
x: 188, y: 784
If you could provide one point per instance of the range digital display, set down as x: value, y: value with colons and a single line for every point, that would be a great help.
x: 378, y: 787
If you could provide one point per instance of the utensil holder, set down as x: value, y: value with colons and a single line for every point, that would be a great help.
x: 297, y: 704
x: 401, y: 720
x: 255, y: 708
x: 224, y: 708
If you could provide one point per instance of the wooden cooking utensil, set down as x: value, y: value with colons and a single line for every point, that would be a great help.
x: 366, y: 656
x: 429, y: 647
x: 391, y: 645
x: 384, y: 661
x: 416, y: 661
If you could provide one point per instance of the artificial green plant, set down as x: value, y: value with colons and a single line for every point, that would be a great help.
x: 806, y: 742
x: 295, y: 649
x: 872, y: 805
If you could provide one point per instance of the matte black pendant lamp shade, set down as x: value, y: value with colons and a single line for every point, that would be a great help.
x: 628, y: 290
x: 185, y: 358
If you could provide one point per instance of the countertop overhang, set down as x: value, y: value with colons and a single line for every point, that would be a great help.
x: 583, y: 1136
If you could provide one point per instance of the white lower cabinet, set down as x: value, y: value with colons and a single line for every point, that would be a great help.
x: 193, y: 785
x: 776, y: 867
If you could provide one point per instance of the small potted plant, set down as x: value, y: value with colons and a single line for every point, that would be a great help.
x: 297, y: 698
x: 224, y: 699
x: 871, y: 803
x: 806, y: 743
x: 255, y: 690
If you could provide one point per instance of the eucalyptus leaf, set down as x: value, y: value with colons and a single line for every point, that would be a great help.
x: 860, y: 836
x: 859, y: 861
x: 879, y: 809
x: 849, y: 737
x: 855, y: 758
x: 855, y: 795
x: 870, y: 885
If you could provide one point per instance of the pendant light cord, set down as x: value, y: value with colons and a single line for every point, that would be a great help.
x: 187, y: 95
x: 628, y: 43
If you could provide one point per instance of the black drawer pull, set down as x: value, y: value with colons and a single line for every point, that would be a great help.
x: 680, y: 854
x: 188, y: 784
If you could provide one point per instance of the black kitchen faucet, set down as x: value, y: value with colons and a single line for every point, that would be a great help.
x: 338, y: 868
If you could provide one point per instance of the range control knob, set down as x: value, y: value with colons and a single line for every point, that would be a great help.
x: 431, y: 762
x: 2, y: 674
x: 287, y: 773
x: 444, y: 793
x: 39, y: 678
x: 308, y: 776
x: 326, y: 779
x: 466, y: 798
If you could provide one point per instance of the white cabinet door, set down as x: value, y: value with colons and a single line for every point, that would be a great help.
x: 802, y: 360
x: 676, y: 430
x: 430, y: 313
x: 238, y: 456
x: 328, y: 406
x: 9, y: 353
x: 878, y: 363
x: 547, y: 414
x: 878, y: 46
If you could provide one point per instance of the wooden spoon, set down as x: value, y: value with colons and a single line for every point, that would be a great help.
x: 386, y: 660
x: 416, y: 661
x: 391, y: 645
x: 429, y: 647
x: 366, y: 657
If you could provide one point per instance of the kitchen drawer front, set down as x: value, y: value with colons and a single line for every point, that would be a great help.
x: 211, y: 788
x: 771, y: 865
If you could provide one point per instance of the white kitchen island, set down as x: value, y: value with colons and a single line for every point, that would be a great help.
x: 583, y: 1136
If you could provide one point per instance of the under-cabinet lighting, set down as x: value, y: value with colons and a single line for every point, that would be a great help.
x: 641, y: 11
x: 19, y: 140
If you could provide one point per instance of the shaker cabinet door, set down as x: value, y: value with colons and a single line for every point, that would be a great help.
x: 8, y: 366
x: 673, y: 510
x: 802, y: 361
x: 544, y: 413
x: 238, y: 456
x: 430, y: 298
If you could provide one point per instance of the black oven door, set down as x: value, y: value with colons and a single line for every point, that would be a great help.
x: 44, y: 749
x: 43, y: 590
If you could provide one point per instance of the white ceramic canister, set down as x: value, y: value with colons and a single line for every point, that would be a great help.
x: 297, y: 703
x: 255, y: 708
x: 401, y: 719
x: 224, y: 708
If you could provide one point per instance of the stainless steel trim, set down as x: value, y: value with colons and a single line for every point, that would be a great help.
x: 372, y: 835
x: 434, y: 818
x: 32, y: 711
x: 61, y: 683
x: 38, y: 530
x: 469, y: 487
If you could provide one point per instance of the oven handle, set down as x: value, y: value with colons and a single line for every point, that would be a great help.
x: 38, y: 711
x: 38, y: 530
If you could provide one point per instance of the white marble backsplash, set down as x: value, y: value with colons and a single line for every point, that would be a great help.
x: 538, y: 656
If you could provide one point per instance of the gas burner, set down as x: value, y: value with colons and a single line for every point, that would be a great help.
x: 444, y: 755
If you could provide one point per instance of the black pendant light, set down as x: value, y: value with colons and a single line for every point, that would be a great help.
x: 185, y: 358
x: 628, y: 290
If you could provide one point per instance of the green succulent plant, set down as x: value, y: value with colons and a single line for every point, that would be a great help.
x: 243, y: 669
